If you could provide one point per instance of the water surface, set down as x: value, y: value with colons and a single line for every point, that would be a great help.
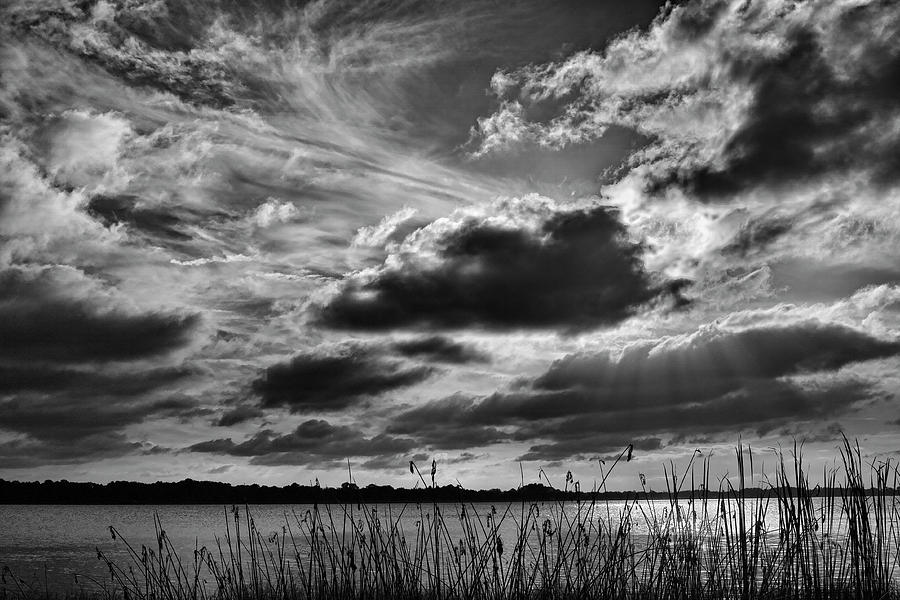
x: 56, y: 546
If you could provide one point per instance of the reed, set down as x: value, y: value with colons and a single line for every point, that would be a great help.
x: 837, y: 541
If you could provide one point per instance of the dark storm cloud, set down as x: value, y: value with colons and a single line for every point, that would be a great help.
x: 68, y: 382
x: 447, y: 424
x: 400, y: 462
x: 714, y: 380
x: 62, y: 418
x: 575, y: 270
x: 239, y: 414
x: 438, y: 349
x: 761, y: 407
x: 454, y: 437
x: 808, y: 115
x: 714, y: 362
x: 589, y: 447
x: 313, y: 442
x: 801, y: 90
x: 216, y: 446
x: 76, y: 425
x: 318, y: 381
x: 41, y: 318
x: 19, y: 378
x: 29, y: 453
x: 826, y: 433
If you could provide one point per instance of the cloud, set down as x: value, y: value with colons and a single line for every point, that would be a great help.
x: 323, y: 381
x: 64, y: 418
x: 817, y: 103
x: 72, y: 370
x: 239, y: 414
x: 712, y: 362
x: 274, y: 211
x: 58, y: 314
x: 447, y: 424
x: 438, y: 348
x: 733, y: 95
x: 313, y: 442
x: 42, y: 223
x: 525, y: 264
x: 592, y: 447
x: 83, y: 382
x: 400, y: 462
x: 155, y: 222
x: 392, y: 228
x: 757, y: 234
x: 725, y: 377
x: 278, y: 176
x: 68, y: 136
x: 219, y: 470
x: 758, y: 406
x: 816, y: 279
x: 118, y: 41
x: 78, y: 425
x: 27, y: 453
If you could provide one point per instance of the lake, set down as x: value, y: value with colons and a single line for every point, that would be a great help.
x: 56, y: 546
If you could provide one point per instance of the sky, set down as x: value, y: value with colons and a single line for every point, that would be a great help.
x: 257, y: 241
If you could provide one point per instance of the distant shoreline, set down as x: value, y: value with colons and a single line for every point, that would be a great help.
x: 189, y: 491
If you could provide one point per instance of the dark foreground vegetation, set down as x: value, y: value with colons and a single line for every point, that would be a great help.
x: 837, y: 541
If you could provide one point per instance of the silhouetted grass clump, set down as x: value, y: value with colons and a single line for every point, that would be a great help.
x: 834, y: 541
